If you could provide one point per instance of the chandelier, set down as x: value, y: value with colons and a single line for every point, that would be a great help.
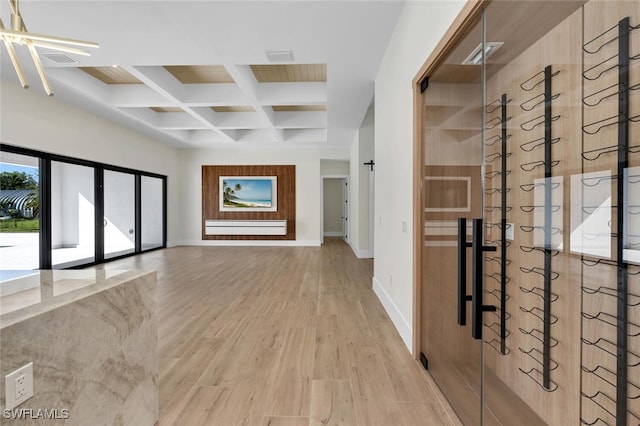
x: 18, y: 35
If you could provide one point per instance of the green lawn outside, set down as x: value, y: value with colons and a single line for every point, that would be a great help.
x: 20, y: 225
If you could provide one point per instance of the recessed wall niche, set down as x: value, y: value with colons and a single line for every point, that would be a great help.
x: 280, y: 207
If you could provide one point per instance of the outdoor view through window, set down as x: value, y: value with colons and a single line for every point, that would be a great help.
x: 19, y: 212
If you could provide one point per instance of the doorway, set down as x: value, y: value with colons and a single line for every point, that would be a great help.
x: 335, y: 207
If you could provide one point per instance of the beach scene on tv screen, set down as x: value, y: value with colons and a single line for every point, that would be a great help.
x: 244, y: 193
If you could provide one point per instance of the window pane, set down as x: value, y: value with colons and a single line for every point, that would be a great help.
x: 19, y: 212
x: 119, y: 214
x: 72, y: 215
x: 152, y: 213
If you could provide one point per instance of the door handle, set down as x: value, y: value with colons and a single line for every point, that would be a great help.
x: 477, y: 262
x: 463, y: 297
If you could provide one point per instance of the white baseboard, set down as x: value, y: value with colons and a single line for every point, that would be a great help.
x: 333, y: 234
x: 403, y: 327
x: 250, y: 243
x: 361, y: 254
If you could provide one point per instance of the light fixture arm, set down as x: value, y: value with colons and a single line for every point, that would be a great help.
x: 18, y: 34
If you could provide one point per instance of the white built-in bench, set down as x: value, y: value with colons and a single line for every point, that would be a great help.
x: 245, y: 227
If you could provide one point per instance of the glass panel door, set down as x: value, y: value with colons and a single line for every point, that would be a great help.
x: 19, y: 212
x: 119, y: 213
x: 152, y: 192
x: 72, y: 215
x: 452, y: 189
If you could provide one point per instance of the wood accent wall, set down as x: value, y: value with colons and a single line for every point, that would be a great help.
x: 286, y: 199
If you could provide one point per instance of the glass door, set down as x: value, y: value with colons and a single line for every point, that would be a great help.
x: 72, y: 215
x: 19, y: 212
x: 492, y: 311
x: 452, y: 199
x: 119, y: 213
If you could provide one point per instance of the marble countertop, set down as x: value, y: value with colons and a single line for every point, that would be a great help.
x: 26, y: 294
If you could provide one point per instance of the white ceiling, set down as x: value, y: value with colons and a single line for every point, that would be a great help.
x: 350, y: 37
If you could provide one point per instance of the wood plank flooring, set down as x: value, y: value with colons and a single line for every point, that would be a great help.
x: 281, y: 336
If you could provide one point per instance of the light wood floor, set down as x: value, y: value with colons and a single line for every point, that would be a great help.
x: 281, y: 336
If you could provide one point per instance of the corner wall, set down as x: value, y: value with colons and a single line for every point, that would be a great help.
x: 420, y: 27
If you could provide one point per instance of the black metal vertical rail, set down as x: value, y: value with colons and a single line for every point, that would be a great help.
x: 98, y: 176
x: 44, y: 194
x: 548, y: 199
x: 503, y: 230
x: 623, y: 160
x: 137, y: 227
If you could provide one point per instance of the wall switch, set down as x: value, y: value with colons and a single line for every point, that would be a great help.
x: 510, y: 233
x: 18, y: 386
x: 404, y: 226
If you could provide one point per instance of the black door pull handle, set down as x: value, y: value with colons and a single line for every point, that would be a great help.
x: 477, y: 306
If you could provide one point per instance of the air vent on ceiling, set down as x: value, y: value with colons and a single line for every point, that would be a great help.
x: 59, y: 58
x: 475, y: 57
x: 280, y: 55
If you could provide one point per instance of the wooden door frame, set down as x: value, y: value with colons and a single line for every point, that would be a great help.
x: 459, y: 29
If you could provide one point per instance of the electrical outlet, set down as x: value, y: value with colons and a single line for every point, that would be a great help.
x: 21, y: 387
x: 18, y: 386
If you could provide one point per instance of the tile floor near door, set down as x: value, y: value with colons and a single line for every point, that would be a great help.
x: 281, y: 336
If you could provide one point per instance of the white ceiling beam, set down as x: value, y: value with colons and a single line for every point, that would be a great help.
x: 219, y: 94
x: 136, y: 95
x: 81, y: 82
x: 305, y: 135
x: 240, y: 120
x: 163, y: 82
x: 292, y: 93
x: 179, y: 121
x: 204, y: 139
x: 258, y: 135
x: 145, y: 115
x: 246, y: 81
x: 301, y: 119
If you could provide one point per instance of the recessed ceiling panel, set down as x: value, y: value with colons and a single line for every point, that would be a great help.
x: 111, y: 75
x: 290, y: 73
x: 293, y: 108
x: 200, y: 74
x: 247, y: 108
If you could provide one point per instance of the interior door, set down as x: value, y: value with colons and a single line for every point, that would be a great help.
x: 345, y: 210
x: 463, y: 299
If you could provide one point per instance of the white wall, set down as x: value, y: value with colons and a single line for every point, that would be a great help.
x: 420, y: 27
x: 33, y: 120
x: 334, y: 167
x: 308, y: 187
x: 362, y: 151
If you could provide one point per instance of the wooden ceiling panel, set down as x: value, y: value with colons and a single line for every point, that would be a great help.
x: 200, y: 74
x: 290, y: 73
x: 291, y: 108
x: 166, y: 109
x: 111, y: 75
x: 247, y: 108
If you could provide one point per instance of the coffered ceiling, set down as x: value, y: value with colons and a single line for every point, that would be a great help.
x: 197, y: 73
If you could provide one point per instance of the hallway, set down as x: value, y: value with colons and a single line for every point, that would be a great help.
x: 280, y: 336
